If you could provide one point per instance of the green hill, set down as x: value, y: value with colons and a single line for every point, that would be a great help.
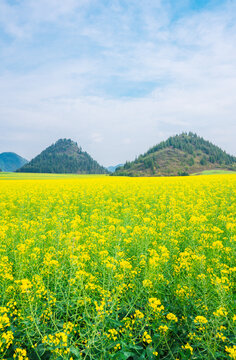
x: 63, y: 157
x: 10, y: 161
x: 182, y: 154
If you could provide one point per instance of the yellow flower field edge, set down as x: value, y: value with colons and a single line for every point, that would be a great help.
x: 118, y: 268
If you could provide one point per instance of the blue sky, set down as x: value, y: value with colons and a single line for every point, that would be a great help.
x: 116, y: 76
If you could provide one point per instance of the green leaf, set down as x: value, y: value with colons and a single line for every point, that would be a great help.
x: 75, y: 352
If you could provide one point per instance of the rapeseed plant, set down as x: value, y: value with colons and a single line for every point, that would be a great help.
x: 124, y: 268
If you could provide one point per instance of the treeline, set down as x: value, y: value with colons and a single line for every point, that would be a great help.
x: 64, y: 157
x: 190, y: 143
x: 178, y: 155
x: 63, y: 164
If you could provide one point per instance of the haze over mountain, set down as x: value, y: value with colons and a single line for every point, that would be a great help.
x: 9, y: 161
x: 64, y: 157
x: 113, y: 168
x: 182, y: 154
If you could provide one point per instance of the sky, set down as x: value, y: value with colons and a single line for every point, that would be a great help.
x: 116, y: 76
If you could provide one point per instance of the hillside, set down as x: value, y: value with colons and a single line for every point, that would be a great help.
x: 10, y: 161
x: 182, y: 154
x: 63, y: 157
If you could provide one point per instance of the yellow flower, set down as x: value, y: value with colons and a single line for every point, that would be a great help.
x: 68, y: 327
x: 20, y: 354
x: 155, y: 304
x: 231, y: 351
x: 25, y: 285
x: 117, y: 347
x: 147, y: 338
x: 221, y: 336
x: 172, y: 317
x: 163, y: 329
x: 112, y: 334
x: 200, y: 320
x: 8, y: 337
x: 220, y: 312
x: 125, y: 265
x: 188, y: 347
x: 138, y: 314
x: 147, y: 283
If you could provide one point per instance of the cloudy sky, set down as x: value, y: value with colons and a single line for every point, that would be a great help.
x: 117, y: 76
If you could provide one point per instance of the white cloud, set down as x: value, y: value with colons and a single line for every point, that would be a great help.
x: 190, y: 64
x: 26, y: 17
x: 97, y: 137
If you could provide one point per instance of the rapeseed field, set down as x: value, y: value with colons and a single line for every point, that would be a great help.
x: 117, y: 268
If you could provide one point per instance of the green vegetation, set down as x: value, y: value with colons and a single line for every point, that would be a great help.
x: 64, y: 157
x: 180, y: 155
x: 102, y: 268
x: 41, y: 176
x: 215, y: 172
x: 10, y: 161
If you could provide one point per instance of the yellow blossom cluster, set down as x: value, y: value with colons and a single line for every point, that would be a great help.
x: 147, y: 338
x: 96, y: 267
x: 200, y: 320
x: 172, y: 317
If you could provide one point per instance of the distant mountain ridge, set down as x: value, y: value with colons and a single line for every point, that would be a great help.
x: 10, y: 161
x: 113, y: 168
x: 182, y: 154
x: 64, y: 157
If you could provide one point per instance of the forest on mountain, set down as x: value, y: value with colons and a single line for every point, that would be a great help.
x: 182, y: 154
x: 64, y: 157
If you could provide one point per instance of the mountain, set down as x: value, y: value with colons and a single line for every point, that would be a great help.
x: 10, y: 161
x: 63, y: 157
x: 182, y: 154
x: 113, y: 168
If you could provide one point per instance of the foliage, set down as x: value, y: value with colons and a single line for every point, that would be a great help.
x: 191, y: 142
x: 64, y: 157
x: 180, y: 154
x: 117, y: 268
x: 215, y: 172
